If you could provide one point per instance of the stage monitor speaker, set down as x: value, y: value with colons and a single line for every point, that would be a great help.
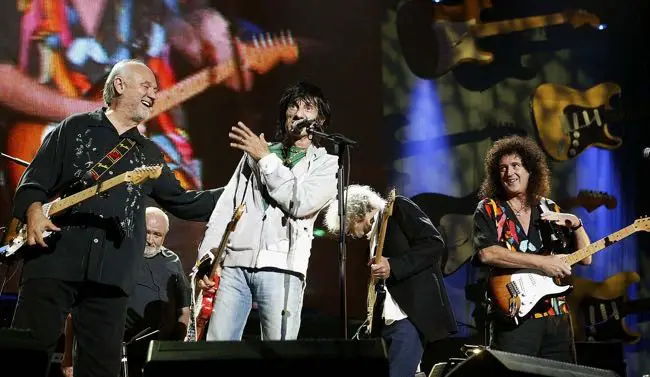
x: 256, y: 358
x: 504, y: 364
x: 18, y: 350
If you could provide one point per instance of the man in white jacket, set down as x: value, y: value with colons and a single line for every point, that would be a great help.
x: 284, y: 186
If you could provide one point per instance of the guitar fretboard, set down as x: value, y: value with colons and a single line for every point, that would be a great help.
x: 79, y: 197
x: 192, y: 86
x: 595, y: 247
x: 517, y: 24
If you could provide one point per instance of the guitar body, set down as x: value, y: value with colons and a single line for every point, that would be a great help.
x: 568, y: 121
x: 515, y: 293
x: 598, y: 308
x: 205, y: 310
x: 377, y: 322
x: 456, y: 45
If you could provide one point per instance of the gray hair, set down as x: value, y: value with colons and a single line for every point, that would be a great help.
x: 109, y: 88
x: 158, y: 211
x: 360, y: 200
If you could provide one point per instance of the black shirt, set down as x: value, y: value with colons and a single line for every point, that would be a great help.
x: 102, y: 238
x: 161, y: 290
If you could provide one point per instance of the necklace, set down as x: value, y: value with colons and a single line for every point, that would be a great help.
x: 523, y: 209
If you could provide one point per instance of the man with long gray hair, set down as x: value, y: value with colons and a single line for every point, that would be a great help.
x: 416, y: 309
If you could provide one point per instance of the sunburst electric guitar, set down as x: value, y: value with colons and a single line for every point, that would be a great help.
x: 17, y: 232
x: 516, y: 292
x: 377, y: 287
x: 200, y: 314
x: 24, y: 138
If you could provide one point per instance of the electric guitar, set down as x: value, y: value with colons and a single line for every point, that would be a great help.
x: 598, y: 309
x: 452, y: 216
x: 200, y: 314
x: 568, y: 121
x: 455, y: 39
x: 377, y: 287
x: 24, y: 138
x: 16, y: 235
x: 516, y: 291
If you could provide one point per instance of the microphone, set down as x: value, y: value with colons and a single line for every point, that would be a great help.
x: 301, y: 124
x: 646, y: 153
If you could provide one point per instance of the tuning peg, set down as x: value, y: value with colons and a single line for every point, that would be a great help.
x: 289, y: 37
x: 256, y: 43
x: 269, y: 40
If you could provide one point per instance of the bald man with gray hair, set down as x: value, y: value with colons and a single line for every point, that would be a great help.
x: 94, y: 263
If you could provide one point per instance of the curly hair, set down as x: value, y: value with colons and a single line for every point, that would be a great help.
x: 360, y: 200
x: 532, y: 159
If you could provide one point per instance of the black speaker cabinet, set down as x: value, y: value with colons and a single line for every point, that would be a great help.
x: 19, y: 351
x: 257, y: 358
x: 504, y: 364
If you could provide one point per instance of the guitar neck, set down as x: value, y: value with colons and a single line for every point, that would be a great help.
x: 602, y: 243
x: 220, y: 250
x: 517, y: 24
x: 79, y: 197
x: 192, y: 86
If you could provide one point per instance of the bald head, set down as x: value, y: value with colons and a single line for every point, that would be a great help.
x: 157, y: 228
x: 122, y: 69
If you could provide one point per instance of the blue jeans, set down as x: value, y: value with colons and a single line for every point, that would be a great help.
x: 278, y: 296
x: 405, y: 347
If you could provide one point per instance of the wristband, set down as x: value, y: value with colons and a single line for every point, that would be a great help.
x: 574, y: 228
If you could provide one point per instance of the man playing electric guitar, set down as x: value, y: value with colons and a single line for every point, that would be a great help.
x: 507, y: 236
x: 416, y: 308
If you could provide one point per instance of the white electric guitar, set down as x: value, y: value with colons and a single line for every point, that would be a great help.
x: 516, y: 292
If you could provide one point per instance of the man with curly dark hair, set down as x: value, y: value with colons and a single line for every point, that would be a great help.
x: 512, y: 223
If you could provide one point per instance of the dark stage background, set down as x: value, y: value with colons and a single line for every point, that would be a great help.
x: 427, y: 136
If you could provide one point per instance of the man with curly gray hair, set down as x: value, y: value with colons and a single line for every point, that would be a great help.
x: 416, y: 308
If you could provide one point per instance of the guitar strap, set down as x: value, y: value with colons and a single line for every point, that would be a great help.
x: 111, y: 158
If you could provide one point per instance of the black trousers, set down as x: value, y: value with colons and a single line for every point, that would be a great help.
x: 99, y: 313
x: 546, y: 337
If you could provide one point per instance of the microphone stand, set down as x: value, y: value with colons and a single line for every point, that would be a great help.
x: 124, y: 359
x: 342, y: 145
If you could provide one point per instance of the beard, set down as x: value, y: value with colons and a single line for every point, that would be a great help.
x: 151, y: 251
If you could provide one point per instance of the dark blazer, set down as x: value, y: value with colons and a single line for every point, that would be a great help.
x: 414, y: 248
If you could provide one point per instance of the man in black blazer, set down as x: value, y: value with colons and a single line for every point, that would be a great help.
x: 416, y: 308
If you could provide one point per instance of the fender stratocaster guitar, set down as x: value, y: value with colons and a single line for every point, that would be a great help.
x: 455, y: 37
x: 377, y: 287
x: 200, y: 314
x: 24, y: 139
x: 17, y: 233
x: 516, y: 292
x: 568, y: 121
x: 598, y: 308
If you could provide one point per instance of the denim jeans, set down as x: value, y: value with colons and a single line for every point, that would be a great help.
x: 278, y: 295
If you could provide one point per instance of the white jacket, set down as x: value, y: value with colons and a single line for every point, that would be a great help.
x: 281, y: 235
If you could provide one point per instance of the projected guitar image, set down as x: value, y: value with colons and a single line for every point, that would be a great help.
x: 457, y: 28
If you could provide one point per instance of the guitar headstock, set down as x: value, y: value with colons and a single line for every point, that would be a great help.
x: 642, y: 224
x: 388, y: 211
x: 236, y: 216
x: 590, y: 200
x: 267, y: 50
x: 143, y: 173
x: 579, y: 17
